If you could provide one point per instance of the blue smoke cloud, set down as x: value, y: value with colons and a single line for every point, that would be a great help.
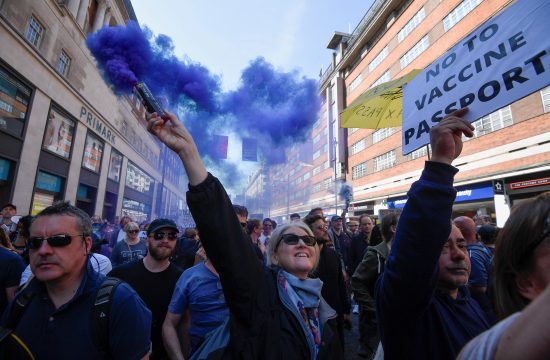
x: 277, y: 108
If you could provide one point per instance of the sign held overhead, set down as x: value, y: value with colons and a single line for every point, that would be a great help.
x: 503, y: 60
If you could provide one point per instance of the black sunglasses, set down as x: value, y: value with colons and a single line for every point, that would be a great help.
x: 60, y: 240
x: 291, y: 239
x: 160, y: 235
x: 545, y: 233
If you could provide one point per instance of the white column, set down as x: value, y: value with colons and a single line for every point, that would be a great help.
x: 102, y: 185
x: 28, y: 163
x: 121, y: 186
x: 82, y: 11
x: 502, y: 209
x: 108, y: 16
x: 73, y: 179
x: 72, y: 6
x: 100, y: 15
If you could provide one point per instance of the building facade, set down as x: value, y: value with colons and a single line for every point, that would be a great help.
x: 65, y: 134
x: 508, y: 159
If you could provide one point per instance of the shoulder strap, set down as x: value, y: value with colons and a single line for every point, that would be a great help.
x: 18, y: 306
x: 99, y: 321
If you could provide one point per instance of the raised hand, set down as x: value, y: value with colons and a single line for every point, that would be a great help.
x: 446, y: 137
x: 171, y: 131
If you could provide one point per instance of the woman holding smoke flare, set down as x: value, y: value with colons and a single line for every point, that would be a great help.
x: 276, y: 312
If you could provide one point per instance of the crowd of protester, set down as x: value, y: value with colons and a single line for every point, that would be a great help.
x: 424, y: 286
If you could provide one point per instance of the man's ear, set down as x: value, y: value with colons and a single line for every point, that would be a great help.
x: 87, y: 243
x: 527, y: 287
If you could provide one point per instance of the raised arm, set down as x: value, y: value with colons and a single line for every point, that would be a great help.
x: 221, y: 234
x: 411, y: 271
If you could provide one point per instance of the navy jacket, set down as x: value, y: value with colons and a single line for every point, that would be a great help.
x: 417, y: 321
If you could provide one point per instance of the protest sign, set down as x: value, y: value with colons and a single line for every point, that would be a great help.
x: 503, y: 60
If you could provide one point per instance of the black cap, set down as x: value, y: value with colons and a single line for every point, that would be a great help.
x: 9, y: 205
x: 335, y: 218
x: 161, y: 224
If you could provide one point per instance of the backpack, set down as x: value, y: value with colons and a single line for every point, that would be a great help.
x: 99, y: 322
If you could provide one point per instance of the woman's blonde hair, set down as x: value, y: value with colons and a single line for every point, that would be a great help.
x: 277, y: 237
x: 131, y: 226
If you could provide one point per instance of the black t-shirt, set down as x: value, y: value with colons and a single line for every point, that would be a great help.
x: 155, y: 289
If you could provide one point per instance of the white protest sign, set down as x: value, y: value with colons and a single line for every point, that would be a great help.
x: 505, y: 59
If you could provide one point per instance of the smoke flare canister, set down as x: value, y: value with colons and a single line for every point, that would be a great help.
x: 148, y: 100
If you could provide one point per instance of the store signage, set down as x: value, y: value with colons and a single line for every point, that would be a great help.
x: 97, y: 125
x: 530, y: 183
x: 498, y: 187
x: 463, y: 193
x: 503, y: 60
x: 48, y: 182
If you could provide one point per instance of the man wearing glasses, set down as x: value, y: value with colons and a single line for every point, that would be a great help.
x: 56, y: 322
x: 154, y: 277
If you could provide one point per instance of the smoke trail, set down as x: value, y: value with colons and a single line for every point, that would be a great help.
x: 126, y: 54
x: 346, y: 193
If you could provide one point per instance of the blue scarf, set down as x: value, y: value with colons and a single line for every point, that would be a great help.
x: 305, y: 294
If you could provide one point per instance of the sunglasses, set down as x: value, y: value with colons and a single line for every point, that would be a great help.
x: 291, y: 239
x: 60, y: 240
x: 243, y: 225
x: 545, y: 233
x: 161, y: 235
x: 133, y: 231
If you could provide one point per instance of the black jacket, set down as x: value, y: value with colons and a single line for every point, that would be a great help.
x: 334, y: 289
x: 261, y: 326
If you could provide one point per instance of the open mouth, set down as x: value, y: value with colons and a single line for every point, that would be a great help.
x: 301, y: 254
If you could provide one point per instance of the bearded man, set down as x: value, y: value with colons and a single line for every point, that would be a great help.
x: 154, y: 277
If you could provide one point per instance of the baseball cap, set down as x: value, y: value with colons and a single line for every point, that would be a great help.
x: 9, y: 205
x: 161, y: 224
x: 336, y: 217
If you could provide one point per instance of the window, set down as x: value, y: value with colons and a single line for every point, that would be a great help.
x: 48, y: 189
x: 326, y: 183
x: 115, y: 165
x: 381, y: 134
x: 459, y: 12
x: 358, y: 146
x: 384, y: 161
x: 316, y: 170
x: 382, y: 79
x: 358, y: 171
x: 316, y: 154
x: 14, y: 101
x: 138, y: 180
x: 414, y: 52
x: 138, y: 211
x: 378, y: 59
x: 493, y: 122
x: 411, y: 25
x: 316, y: 187
x: 545, y: 94
x: 59, y: 134
x: 326, y: 165
x: 423, y: 151
x: 317, y: 138
x: 325, y: 148
x: 353, y: 85
x: 93, y: 152
x: 352, y: 130
x: 35, y: 32
x: 63, y: 63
